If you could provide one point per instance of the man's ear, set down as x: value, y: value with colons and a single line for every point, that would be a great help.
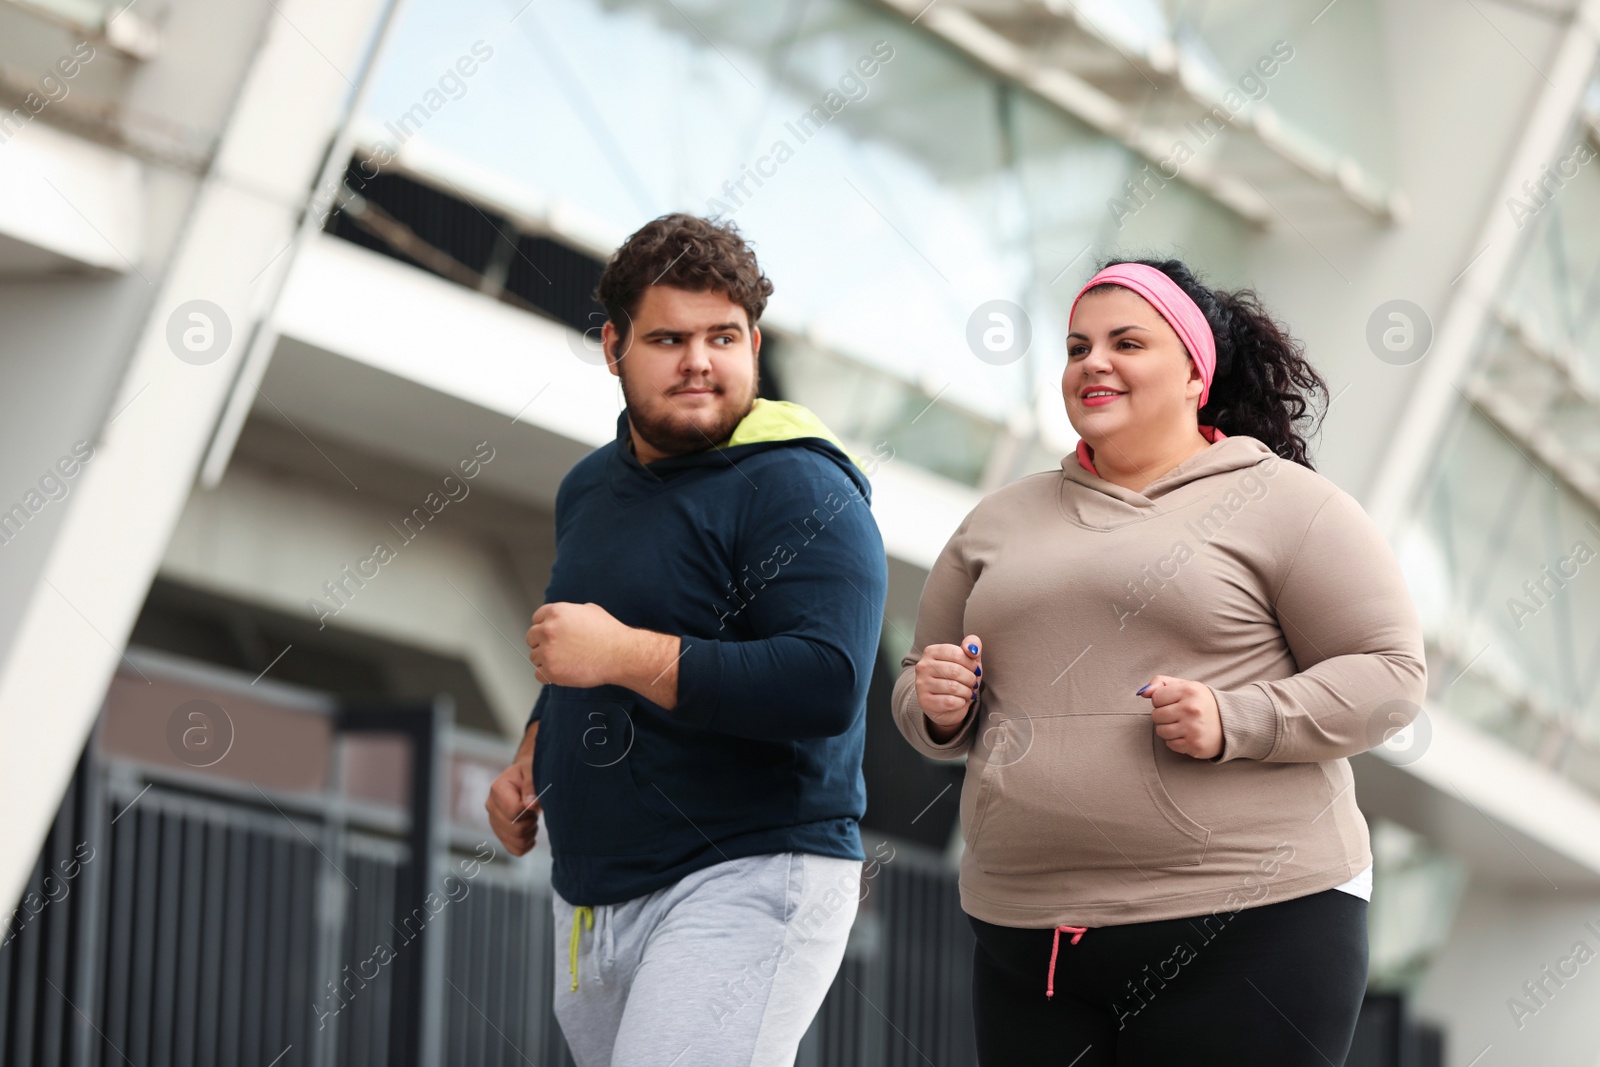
x: 755, y: 341
x: 614, y: 347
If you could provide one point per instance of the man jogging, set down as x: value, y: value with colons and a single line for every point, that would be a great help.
x: 705, y: 645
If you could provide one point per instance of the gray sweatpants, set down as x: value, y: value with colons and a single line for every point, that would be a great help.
x: 724, y: 968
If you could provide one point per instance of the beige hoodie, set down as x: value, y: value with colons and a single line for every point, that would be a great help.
x: 1246, y: 572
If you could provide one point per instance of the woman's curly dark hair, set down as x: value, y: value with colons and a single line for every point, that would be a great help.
x: 685, y: 252
x: 1264, y: 387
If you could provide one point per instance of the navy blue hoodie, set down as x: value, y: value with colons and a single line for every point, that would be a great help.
x: 762, y: 555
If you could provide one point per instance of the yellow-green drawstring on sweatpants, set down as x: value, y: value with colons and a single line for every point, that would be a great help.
x: 585, y: 915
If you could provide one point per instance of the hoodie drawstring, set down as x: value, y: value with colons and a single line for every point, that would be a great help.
x: 1077, y: 933
x: 585, y: 915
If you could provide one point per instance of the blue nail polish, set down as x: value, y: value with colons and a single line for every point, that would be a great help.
x: 979, y: 672
x: 973, y: 649
x: 1140, y: 693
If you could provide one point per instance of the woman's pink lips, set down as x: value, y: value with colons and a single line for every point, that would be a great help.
x: 1099, y: 401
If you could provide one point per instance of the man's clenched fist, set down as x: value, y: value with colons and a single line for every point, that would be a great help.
x: 575, y: 644
x: 513, y: 806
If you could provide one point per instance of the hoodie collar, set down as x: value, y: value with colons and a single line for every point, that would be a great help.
x: 1086, y: 454
x: 1089, y: 500
x: 780, y: 420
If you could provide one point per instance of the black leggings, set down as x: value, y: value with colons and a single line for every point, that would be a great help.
x: 1277, y: 985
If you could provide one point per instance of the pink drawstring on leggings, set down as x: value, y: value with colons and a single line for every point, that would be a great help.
x: 1077, y: 933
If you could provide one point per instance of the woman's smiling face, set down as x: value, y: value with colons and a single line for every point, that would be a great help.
x: 1120, y: 344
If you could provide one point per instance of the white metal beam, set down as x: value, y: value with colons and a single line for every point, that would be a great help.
x: 1014, y: 61
x: 294, y: 97
x: 1417, y: 435
x: 68, y: 203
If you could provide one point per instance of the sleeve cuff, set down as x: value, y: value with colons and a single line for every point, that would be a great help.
x: 699, y: 682
x: 958, y: 740
x: 949, y: 749
x: 1249, y: 723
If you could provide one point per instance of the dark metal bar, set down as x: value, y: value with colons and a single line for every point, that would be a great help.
x: 168, y: 929
x: 255, y: 919
x: 230, y: 1031
x: 276, y: 961
x: 191, y: 928
x: 141, y: 966
x: 301, y: 933
x: 25, y: 1035
x: 213, y: 948
x: 418, y: 969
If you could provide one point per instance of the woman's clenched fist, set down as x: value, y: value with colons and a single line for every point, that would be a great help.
x: 948, y: 679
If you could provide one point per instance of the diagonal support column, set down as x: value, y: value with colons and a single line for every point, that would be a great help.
x: 295, y: 98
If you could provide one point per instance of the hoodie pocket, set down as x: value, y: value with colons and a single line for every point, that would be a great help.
x: 581, y: 769
x: 1074, y: 792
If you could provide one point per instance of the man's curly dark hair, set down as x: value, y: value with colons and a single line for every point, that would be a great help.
x: 685, y: 252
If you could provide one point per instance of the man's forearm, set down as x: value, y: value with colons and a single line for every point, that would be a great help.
x: 649, y: 666
x: 525, y: 750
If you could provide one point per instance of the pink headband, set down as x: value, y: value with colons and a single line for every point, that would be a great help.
x: 1174, y: 305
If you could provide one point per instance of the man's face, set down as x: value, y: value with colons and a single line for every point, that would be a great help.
x: 688, y: 370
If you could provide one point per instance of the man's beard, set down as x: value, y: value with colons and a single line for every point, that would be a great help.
x: 666, y: 428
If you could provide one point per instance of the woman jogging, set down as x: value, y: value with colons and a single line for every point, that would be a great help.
x: 1156, y: 661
